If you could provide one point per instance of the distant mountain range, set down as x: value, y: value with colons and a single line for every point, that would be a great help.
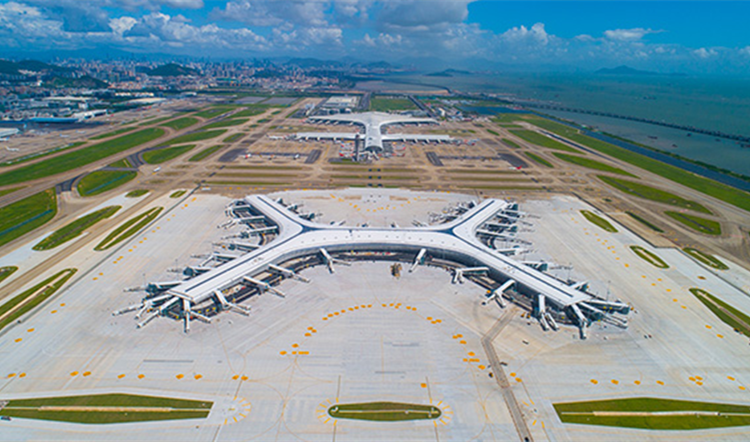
x: 626, y: 70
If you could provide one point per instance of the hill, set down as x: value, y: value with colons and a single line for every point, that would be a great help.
x: 171, y: 70
x: 627, y: 70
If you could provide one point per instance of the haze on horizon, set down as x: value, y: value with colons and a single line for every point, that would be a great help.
x: 696, y: 37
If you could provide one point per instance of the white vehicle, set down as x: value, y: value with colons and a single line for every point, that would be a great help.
x: 157, y: 169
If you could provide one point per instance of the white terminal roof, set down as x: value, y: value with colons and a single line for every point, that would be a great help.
x: 373, y: 123
x: 298, y: 237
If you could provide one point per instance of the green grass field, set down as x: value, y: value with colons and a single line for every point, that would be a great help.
x: 101, y: 181
x: 537, y: 159
x: 121, y: 163
x: 251, y: 111
x: 6, y: 271
x: 136, y: 193
x: 79, y: 158
x: 652, y: 193
x: 384, y: 411
x: 205, y: 153
x: 705, y: 258
x: 598, y: 221
x: 180, y: 123
x: 113, y: 133
x: 734, y: 318
x: 591, y: 164
x: 715, y: 189
x: 129, y: 228
x: 75, y: 228
x: 7, y: 191
x: 506, y: 118
x: 177, y: 193
x: 151, y: 121
x: 379, y: 104
x: 214, y: 111
x: 233, y: 137
x: 645, y: 222
x: 107, y: 409
x: 492, y: 132
x: 541, y: 140
x: 226, y: 123
x: 159, y: 156
x: 8, y: 311
x: 197, y: 136
x: 510, y: 143
x: 636, y: 413
x: 697, y: 223
x: 649, y: 257
x: 36, y: 155
x: 26, y: 215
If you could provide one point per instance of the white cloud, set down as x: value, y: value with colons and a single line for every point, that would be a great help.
x: 536, y: 34
x: 745, y: 51
x: 705, y: 53
x: 633, y: 34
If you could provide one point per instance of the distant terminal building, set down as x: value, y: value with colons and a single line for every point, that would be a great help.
x: 340, y: 104
x: 6, y: 132
x: 371, y: 125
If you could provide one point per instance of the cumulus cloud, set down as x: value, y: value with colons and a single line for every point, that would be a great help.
x: 705, y: 53
x: 536, y: 34
x: 745, y: 51
x: 633, y: 34
x: 419, y: 15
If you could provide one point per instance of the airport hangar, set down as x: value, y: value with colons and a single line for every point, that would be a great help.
x: 463, y: 245
x: 373, y: 124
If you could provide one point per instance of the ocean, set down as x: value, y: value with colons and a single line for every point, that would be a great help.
x: 714, y: 103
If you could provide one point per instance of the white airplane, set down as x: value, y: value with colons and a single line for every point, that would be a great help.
x: 10, y: 149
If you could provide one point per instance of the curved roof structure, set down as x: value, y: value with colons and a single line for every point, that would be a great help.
x: 373, y: 123
x: 455, y: 241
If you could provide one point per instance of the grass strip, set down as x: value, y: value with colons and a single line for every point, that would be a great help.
x: 112, y: 134
x: 644, y: 222
x: 205, y: 153
x: 637, y: 413
x: 43, y: 290
x: 598, y: 221
x: 702, y: 225
x: 707, y: 186
x: 536, y: 158
x: 136, y: 193
x: 196, y: 136
x: 384, y: 411
x: 154, y: 121
x: 107, y: 409
x: 129, y: 228
x: 159, y: 156
x: 510, y: 143
x: 492, y: 132
x: 121, y: 163
x: 35, y: 155
x: 101, y: 181
x: 250, y: 112
x: 27, y: 214
x: 181, y: 123
x: 7, y: 191
x: 79, y: 158
x: 226, y: 123
x: 478, y: 171
x: 233, y: 137
x: 214, y: 111
x: 705, y: 258
x: 734, y: 318
x: 177, y: 193
x: 6, y: 271
x: 75, y: 228
x: 591, y: 164
x: 649, y: 257
x: 541, y: 140
x: 652, y: 193
x: 246, y: 183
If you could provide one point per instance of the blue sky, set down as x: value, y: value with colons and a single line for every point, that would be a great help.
x: 693, y: 36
